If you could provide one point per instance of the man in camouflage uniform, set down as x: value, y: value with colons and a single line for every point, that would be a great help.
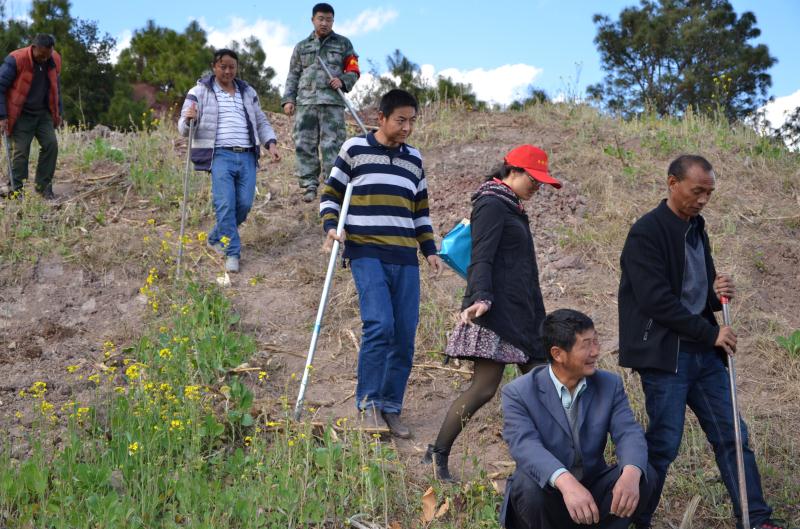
x: 311, y: 96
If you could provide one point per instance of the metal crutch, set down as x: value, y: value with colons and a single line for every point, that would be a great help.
x: 298, y: 408
x: 179, y: 272
x: 726, y: 319
x: 10, y: 165
x: 346, y: 102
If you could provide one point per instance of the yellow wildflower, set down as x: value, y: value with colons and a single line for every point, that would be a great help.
x: 132, y: 372
x: 248, y: 440
x: 38, y: 389
x: 176, y: 424
x: 165, y: 353
x: 94, y: 378
x: 119, y: 389
x: 202, y: 236
x: 18, y: 415
x: 151, y: 222
x: 133, y: 448
x: 72, y: 369
x: 45, y: 407
x: 191, y: 392
x: 225, y: 240
x: 162, y: 329
x: 262, y: 375
x: 291, y: 442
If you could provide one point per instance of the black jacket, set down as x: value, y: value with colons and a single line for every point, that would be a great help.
x: 503, y: 270
x: 651, y: 315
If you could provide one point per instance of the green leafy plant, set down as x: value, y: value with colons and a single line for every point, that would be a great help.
x: 791, y: 343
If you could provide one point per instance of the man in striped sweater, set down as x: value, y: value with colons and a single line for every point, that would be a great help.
x: 387, y: 220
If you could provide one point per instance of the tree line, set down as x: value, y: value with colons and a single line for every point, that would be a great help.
x: 153, y: 72
x: 663, y: 57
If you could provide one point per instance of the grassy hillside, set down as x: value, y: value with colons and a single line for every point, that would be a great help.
x: 134, y: 400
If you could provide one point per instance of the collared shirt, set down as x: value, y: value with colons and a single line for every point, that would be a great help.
x: 568, y: 400
x: 232, y: 128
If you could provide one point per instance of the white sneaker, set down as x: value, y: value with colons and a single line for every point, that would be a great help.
x: 232, y: 264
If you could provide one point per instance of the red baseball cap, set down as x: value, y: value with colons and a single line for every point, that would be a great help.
x: 534, y: 161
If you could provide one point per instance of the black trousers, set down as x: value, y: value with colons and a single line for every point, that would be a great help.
x: 532, y: 507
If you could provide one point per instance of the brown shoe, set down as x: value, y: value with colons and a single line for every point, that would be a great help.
x: 371, y: 420
x: 396, y: 426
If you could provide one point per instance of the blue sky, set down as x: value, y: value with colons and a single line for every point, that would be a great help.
x: 500, y: 47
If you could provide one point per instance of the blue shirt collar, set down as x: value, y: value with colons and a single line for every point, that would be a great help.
x: 563, y: 393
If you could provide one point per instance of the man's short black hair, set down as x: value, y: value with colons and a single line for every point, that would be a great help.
x: 43, y: 40
x: 561, y: 327
x: 225, y: 52
x: 394, y: 99
x: 681, y: 165
x: 322, y: 7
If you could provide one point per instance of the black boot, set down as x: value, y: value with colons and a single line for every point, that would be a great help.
x: 438, y: 456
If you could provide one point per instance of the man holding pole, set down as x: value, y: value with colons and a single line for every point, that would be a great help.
x: 311, y: 96
x: 387, y: 220
x: 31, y: 107
x: 669, y: 290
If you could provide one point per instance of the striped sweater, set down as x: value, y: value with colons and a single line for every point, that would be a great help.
x: 388, y: 215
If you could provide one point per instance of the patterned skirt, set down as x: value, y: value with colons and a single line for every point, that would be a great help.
x: 470, y: 341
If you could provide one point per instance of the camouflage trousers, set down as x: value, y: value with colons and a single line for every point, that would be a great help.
x: 319, y: 132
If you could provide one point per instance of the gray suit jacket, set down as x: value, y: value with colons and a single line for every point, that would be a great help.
x: 539, y: 437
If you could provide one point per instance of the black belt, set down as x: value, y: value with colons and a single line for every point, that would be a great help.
x: 239, y: 149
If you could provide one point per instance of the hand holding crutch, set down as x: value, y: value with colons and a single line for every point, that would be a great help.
x: 298, y: 408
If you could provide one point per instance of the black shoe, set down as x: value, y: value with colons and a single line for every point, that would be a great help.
x: 771, y: 524
x: 13, y: 195
x: 310, y: 195
x: 47, y: 194
x: 396, y: 426
x: 438, y: 456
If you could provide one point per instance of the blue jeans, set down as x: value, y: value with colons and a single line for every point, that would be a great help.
x: 233, y: 187
x: 702, y: 383
x: 388, y: 295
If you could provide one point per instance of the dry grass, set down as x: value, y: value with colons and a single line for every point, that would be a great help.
x: 617, y: 167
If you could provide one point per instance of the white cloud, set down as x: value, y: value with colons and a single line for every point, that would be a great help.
x: 366, y: 21
x: 777, y: 111
x: 123, y: 41
x: 18, y: 10
x: 274, y: 38
x: 501, y: 85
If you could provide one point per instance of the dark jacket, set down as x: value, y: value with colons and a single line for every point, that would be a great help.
x: 503, y: 270
x: 16, y: 76
x: 651, y: 316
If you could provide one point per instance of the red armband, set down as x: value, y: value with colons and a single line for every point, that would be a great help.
x: 351, y: 65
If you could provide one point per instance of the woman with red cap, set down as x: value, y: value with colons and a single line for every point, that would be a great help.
x: 502, y: 307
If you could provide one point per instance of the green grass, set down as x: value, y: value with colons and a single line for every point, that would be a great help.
x: 172, y: 439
